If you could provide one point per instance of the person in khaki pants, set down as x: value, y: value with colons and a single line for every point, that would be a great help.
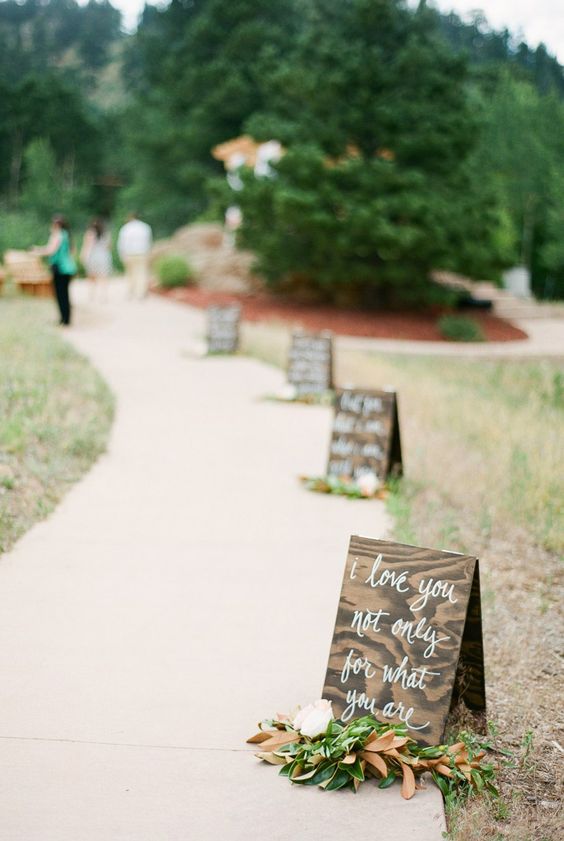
x: 134, y: 245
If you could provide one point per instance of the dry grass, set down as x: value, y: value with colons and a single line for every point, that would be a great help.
x: 484, y: 465
x: 55, y: 415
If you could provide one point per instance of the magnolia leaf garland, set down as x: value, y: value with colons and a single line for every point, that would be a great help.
x: 289, y: 394
x: 346, y: 755
x: 342, y: 486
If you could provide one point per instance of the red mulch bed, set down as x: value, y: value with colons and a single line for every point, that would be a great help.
x: 410, y: 324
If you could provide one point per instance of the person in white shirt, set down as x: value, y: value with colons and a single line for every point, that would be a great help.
x: 134, y: 245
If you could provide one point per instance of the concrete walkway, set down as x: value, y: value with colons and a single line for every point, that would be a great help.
x: 186, y: 588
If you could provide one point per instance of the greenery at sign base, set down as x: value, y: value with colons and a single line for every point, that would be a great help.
x: 340, y: 486
x: 347, y: 754
x: 318, y: 398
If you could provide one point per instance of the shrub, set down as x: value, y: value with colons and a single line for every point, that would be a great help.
x: 173, y: 271
x: 459, y: 328
x: 21, y: 230
x: 362, y: 228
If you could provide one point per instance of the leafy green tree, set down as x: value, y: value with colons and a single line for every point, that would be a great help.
x: 45, y: 107
x: 489, y: 51
x: 53, y: 53
x: 40, y: 35
x: 552, y: 252
x: 47, y: 188
x: 43, y: 189
x: 521, y: 153
x: 45, y: 192
x: 20, y: 230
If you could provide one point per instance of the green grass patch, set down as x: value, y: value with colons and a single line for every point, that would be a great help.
x: 56, y: 414
x: 481, y: 440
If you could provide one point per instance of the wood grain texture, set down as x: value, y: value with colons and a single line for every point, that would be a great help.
x: 398, y: 635
x: 310, y: 362
x: 223, y: 328
x: 366, y: 435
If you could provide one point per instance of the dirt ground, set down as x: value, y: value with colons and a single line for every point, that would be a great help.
x: 421, y: 326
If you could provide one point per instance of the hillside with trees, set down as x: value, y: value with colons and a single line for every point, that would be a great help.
x: 414, y: 140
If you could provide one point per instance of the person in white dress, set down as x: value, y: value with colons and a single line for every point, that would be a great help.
x: 134, y: 246
x: 96, y: 256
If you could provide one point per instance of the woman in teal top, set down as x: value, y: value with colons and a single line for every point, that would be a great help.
x: 62, y: 264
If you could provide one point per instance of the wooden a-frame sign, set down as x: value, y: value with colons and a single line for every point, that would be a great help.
x: 310, y: 362
x: 365, y: 435
x: 408, y: 637
x: 223, y: 328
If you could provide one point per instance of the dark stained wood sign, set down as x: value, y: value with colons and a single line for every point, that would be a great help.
x: 408, y: 631
x: 223, y: 328
x: 365, y: 436
x: 310, y: 362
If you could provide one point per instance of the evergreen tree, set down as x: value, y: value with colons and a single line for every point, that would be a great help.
x: 199, y: 71
x: 50, y: 54
x: 522, y: 153
x: 47, y: 188
x: 552, y: 250
x: 377, y: 188
x: 45, y: 107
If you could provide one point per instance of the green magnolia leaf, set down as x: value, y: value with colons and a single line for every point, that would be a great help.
x: 292, y: 766
x: 321, y: 775
x: 387, y: 781
x: 354, y: 770
x: 292, y: 748
x: 340, y: 780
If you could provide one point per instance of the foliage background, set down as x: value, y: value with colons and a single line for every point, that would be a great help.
x: 95, y: 122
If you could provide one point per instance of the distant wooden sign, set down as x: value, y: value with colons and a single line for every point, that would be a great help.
x: 408, y: 631
x: 223, y: 328
x: 365, y: 436
x: 310, y: 362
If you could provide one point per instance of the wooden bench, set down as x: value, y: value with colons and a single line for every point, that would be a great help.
x: 28, y: 272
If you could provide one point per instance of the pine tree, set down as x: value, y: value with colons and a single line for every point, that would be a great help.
x: 198, y: 69
x: 376, y: 189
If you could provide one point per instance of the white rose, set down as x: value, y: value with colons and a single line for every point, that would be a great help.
x: 368, y: 484
x: 301, y: 716
x: 288, y: 392
x: 314, y: 719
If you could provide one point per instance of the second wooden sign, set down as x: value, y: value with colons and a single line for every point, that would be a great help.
x: 223, y: 328
x: 366, y: 435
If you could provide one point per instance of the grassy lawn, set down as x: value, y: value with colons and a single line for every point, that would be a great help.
x: 55, y: 415
x: 484, y: 468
